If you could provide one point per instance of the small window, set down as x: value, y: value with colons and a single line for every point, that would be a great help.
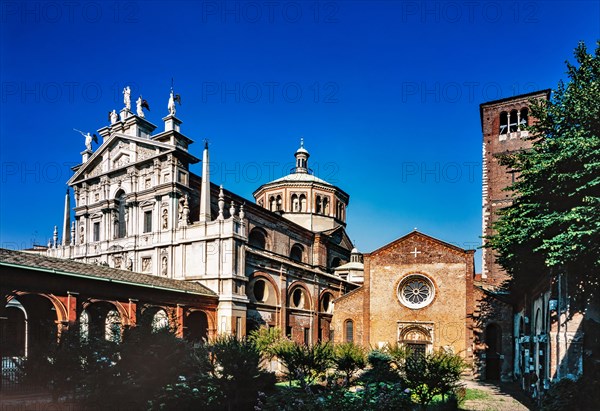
x: 349, y: 331
x: 147, y: 221
x: 260, y: 290
x: 257, y: 239
x: 298, y: 298
x: 296, y: 253
x: 96, y: 232
x: 513, y: 121
x: 306, y: 336
x: 326, y: 303
x: 503, y: 122
x: 524, y: 120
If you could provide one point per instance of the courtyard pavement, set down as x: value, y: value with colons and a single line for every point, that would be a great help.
x: 498, y: 397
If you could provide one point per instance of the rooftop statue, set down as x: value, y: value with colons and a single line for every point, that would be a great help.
x: 127, y: 97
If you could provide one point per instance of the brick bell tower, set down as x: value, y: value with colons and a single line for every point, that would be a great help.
x: 502, y: 123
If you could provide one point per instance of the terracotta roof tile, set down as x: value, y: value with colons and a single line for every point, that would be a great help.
x: 70, y: 267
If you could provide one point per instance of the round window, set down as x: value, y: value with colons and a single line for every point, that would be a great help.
x: 298, y: 298
x: 260, y: 290
x: 416, y: 291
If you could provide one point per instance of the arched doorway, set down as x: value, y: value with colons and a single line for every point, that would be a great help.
x: 103, y: 321
x: 41, y: 322
x: 13, y: 331
x: 197, y: 326
x: 493, y: 342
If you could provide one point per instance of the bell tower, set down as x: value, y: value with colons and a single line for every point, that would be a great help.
x: 503, y: 123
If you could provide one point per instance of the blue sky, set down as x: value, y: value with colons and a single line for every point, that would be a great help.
x: 386, y: 95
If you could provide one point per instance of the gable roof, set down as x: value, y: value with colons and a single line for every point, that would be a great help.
x: 339, y: 236
x: 93, y: 161
x: 416, y: 233
x: 59, y: 266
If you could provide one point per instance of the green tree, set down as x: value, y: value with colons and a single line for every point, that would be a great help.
x: 553, y: 224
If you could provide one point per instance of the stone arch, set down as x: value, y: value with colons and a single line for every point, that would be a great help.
x: 107, y: 319
x: 271, y: 291
x: 197, y: 326
x: 326, y: 301
x: 45, y: 315
x: 13, y: 330
x: 299, y: 296
x: 417, y: 339
x: 156, y: 317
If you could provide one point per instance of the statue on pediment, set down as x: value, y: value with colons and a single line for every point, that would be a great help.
x: 127, y: 97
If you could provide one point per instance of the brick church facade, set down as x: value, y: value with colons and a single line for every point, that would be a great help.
x: 417, y: 292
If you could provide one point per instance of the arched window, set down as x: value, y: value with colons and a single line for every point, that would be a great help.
x: 120, y: 223
x: 513, y: 123
x: 260, y: 290
x: 524, y: 120
x: 296, y: 252
x: 327, y: 303
x: 295, y: 203
x: 299, y: 298
x: 318, y: 205
x: 325, y: 205
x: 272, y: 203
x: 160, y: 321
x: 112, y: 326
x: 279, y: 206
x: 302, y: 200
x: 349, y: 331
x: 257, y: 238
x: 84, y: 325
x: 503, y: 122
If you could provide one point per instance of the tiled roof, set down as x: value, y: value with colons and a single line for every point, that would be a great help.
x: 97, y: 272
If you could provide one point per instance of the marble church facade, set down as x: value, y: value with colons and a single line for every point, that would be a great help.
x: 138, y: 207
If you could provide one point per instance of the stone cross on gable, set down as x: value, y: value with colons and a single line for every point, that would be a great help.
x: 415, y: 252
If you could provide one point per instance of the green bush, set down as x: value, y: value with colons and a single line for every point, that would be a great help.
x: 372, y: 397
x: 348, y: 358
x: 432, y: 374
x: 237, y: 371
x: 304, y: 363
x: 382, y: 368
x: 265, y: 340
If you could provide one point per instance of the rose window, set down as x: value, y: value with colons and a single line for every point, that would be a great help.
x: 416, y: 291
